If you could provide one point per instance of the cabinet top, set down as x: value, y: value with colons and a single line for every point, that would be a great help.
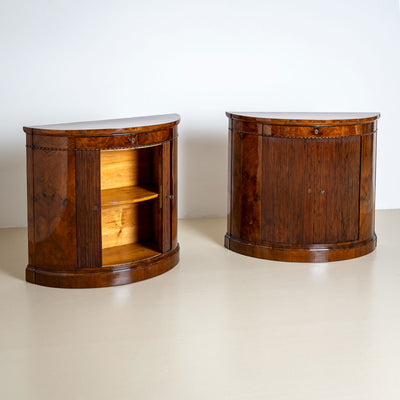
x: 305, y: 118
x: 107, y: 127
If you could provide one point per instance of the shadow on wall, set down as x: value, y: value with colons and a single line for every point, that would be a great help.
x: 202, y: 174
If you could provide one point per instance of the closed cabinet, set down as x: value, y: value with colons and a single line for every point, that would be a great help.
x: 301, y: 189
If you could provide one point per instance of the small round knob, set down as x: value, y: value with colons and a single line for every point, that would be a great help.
x: 133, y: 140
x: 322, y: 191
x: 316, y: 131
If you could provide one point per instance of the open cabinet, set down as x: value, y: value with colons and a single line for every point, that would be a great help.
x: 132, y: 204
x: 102, y: 203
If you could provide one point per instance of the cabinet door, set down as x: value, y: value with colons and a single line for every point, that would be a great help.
x: 336, y: 189
x: 88, y: 209
x: 310, y: 190
x: 165, y: 217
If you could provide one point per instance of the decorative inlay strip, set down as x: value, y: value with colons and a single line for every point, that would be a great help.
x: 33, y: 147
x: 302, y: 137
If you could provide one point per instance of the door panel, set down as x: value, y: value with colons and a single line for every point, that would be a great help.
x: 286, y: 201
x: 337, y: 185
x: 165, y: 199
x: 310, y: 190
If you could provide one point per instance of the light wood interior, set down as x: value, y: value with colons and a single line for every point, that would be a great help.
x: 127, y: 223
x: 129, y: 204
x: 121, y: 168
x: 132, y: 251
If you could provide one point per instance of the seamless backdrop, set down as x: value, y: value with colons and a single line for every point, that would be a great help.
x: 71, y: 60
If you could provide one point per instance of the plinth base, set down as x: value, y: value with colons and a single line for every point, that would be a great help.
x: 302, y: 253
x: 105, y: 276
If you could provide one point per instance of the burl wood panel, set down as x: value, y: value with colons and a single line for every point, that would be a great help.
x: 88, y: 209
x: 54, y: 209
x: 236, y: 178
x: 304, y: 191
x: 250, y: 215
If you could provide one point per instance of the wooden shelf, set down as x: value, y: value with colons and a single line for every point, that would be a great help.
x: 127, y: 195
x: 129, y: 252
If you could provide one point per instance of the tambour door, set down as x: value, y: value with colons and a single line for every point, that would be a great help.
x: 125, y: 202
x: 310, y: 190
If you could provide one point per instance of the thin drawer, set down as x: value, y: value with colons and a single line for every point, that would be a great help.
x: 124, y: 141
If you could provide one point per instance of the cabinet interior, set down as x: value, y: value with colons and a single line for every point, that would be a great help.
x: 130, y: 204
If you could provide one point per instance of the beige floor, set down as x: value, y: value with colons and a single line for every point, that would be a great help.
x: 218, y: 326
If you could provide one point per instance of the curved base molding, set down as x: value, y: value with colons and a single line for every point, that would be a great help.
x: 105, y: 276
x: 301, y: 253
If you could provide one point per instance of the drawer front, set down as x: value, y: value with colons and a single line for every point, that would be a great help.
x: 318, y: 131
x: 124, y: 141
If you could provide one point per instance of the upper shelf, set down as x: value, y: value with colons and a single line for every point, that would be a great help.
x: 305, y: 118
x: 105, y: 127
x: 127, y: 195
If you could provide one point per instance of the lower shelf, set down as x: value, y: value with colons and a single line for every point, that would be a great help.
x: 128, y: 252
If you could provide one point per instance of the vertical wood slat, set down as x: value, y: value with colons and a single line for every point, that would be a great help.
x: 367, y: 187
x: 174, y: 188
x: 250, y: 221
x: 166, y: 201
x: 287, y: 192
x: 267, y: 209
x: 88, y: 209
x: 157, y: 203
x: 336, y: 190
x: 236, y: 184
x: 314, y: 204
x: 229, y: 202
x: 30, y: 193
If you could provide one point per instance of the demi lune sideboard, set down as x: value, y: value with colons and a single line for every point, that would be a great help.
x: 302, y: 185
x: 102, y: 201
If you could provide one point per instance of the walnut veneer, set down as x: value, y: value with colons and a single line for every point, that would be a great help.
x: 302, y: 185
x: 102, y: 201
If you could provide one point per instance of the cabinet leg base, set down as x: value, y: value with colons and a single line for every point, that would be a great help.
x: 301, y: 253
x: 104, y: 276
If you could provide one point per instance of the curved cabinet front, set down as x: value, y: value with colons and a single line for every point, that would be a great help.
x: 102, y: 206
x: 301, y: 189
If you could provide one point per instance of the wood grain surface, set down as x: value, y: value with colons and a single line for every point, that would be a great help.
x: 303, y: 190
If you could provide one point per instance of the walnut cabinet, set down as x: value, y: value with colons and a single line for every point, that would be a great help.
x: 302, y: 185
x: 102, y: 201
